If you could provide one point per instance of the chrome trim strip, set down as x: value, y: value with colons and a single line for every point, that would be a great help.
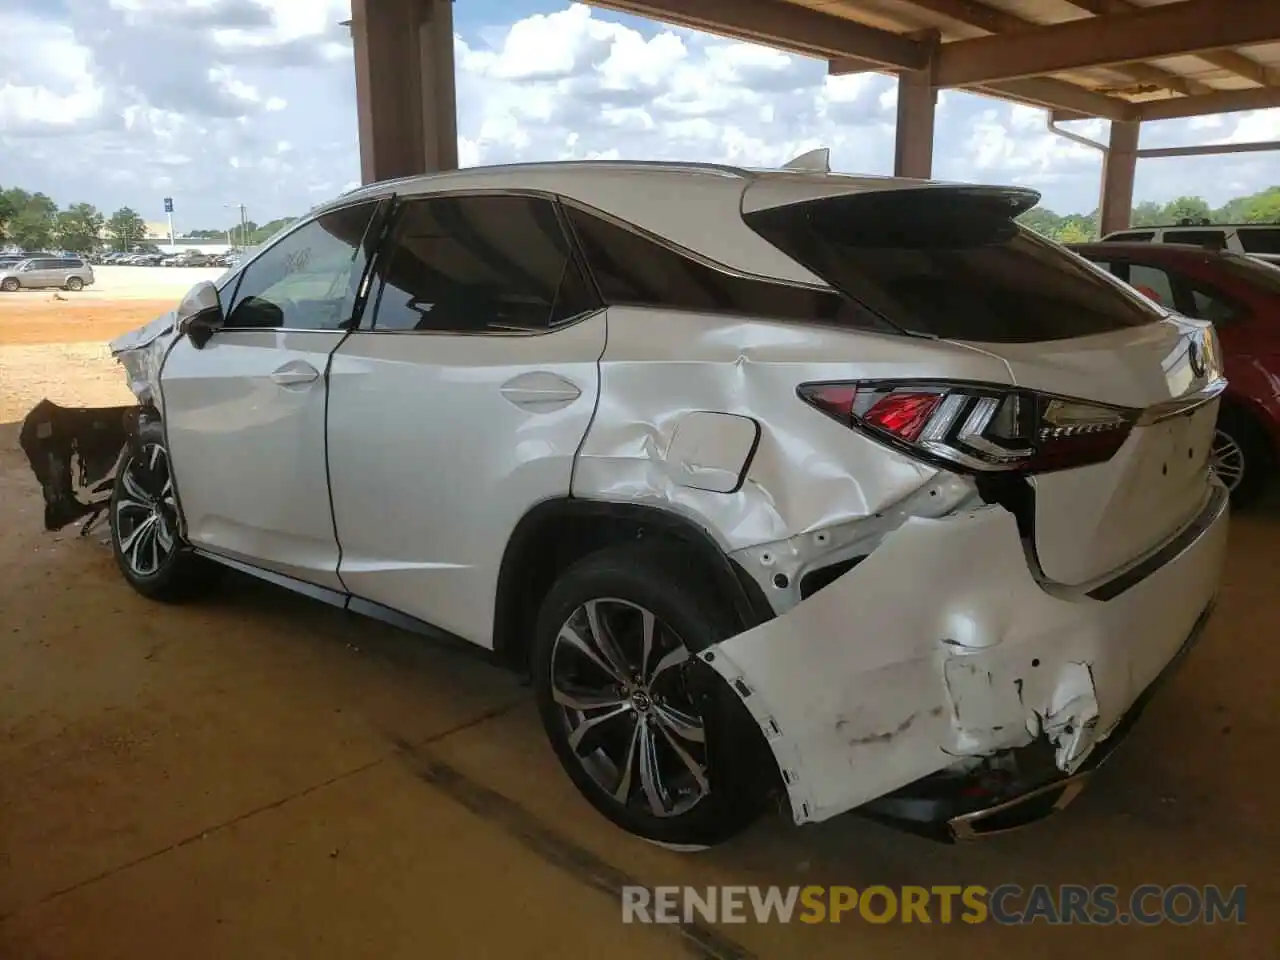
x: 1184, y: 404
x: 1113, y: 584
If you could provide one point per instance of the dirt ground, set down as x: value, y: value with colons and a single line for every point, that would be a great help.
x: 258, y: 775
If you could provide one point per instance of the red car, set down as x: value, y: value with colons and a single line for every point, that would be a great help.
x: 1241, y: 297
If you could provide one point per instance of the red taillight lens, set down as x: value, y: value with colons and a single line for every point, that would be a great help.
x: 904, y: 415
x: 977, y: 428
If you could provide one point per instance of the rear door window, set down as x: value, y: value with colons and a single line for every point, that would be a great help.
x: 952, y: 263
x: 1260, y: 239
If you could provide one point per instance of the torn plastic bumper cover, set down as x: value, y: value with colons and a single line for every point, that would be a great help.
x: 74, y: 451
x: 941, y: 648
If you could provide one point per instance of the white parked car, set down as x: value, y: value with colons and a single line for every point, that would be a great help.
x: 843, y: 486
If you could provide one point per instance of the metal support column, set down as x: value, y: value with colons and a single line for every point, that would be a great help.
x: 405, y: 90
x: 1119, y: 165
x: 913, y: 145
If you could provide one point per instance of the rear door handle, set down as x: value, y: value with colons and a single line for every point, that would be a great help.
x: 295, y: 373
x: 540, y: 391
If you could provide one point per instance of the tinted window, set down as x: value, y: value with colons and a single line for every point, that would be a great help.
x: 1214, y: 239
x: 1212, y: 306
x: 1260, y: 240
x: 1137, y: 236
x: 71, y: 264
x: 631, y: 269
x: 308, y: 280
x: 1153, y: 283
x: 472, y: 264
x: 951, y: 263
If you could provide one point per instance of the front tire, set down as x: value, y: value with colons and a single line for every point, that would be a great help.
x: 145, y: 535
x: 1242, y: 457
x: 650, y: 736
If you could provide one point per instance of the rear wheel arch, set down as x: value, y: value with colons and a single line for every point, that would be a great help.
x: 556, y: 533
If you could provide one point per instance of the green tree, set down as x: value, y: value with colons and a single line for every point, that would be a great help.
x: 1074, y: 231
x: 126, y: 228
x: 1262, y: 207
x: 30, y: 221
x: 1147, y: 214
x: 1186, y: 208
x: 1042, y: 220
x: 79, y: 227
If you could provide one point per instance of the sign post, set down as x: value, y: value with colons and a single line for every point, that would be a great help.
x: 168, y: 209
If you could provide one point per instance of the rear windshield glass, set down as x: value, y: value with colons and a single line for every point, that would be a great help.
x: 1266, y: 240
x: 952, y: 263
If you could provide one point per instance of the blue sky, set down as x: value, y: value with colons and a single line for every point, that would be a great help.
x: 218, y: 102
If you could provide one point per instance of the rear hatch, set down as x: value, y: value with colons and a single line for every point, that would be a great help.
x: 950, y: 263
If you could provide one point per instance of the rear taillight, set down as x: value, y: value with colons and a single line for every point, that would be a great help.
x: 977, y: 428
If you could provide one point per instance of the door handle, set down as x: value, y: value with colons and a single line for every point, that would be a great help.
x: 295, y: 373
x: 540, y: 391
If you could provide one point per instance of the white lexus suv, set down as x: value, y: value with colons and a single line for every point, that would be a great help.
x: 844, y: 490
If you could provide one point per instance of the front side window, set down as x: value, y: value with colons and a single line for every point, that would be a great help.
x: 1211, y: 305
x: 479, y: 264
x: 308, y: 280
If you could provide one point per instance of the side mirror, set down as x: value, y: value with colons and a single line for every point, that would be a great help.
x: 200, y: 314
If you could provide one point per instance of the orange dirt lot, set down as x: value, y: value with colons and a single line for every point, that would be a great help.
x: 31, y: 321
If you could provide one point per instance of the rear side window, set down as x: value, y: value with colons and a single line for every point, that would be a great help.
x: 1213, y: 239
x: 953, y: 263
x: 1153, y: 283
x: 1260, y: 240
x: 479, y: 264
x: 631, y: 269
x: 1134, y: 236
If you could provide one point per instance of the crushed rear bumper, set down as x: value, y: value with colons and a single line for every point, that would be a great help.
x: 941, y: 652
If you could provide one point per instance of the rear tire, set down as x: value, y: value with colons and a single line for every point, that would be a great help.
x: 75, y: 283
x: 145, y: 535
x: 1243, y: 456
x: 10, y: 284
x: 658, y: 744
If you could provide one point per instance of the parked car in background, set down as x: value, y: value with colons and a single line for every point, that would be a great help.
x: 715, y: 457
x: 1240, y: 296
x: 69, y: 273
x: 1258, y: 240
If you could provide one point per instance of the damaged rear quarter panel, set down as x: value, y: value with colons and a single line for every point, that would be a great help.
x: 809, y: 482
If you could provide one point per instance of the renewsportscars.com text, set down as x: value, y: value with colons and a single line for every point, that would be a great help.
x: 1007, y: 904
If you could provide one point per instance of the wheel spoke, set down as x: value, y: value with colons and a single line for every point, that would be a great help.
x: 604, y: 640
x: 695, y: 768
x: 648, y: 627
x: 130, y: 542
x: 576, y: 640
x: 140, y: 539
x: 589, y: 729
x: 680, y: 723
x: 672, y: 659
x: 134, y: 489
x: 581, y: 699
x: 622, y: 792
x: 650, y: 775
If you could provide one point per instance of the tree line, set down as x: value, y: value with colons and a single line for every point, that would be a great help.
x: 1261, y: 207
x: 33, y: 221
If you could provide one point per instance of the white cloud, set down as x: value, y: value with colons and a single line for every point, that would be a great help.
x: 217, y: 101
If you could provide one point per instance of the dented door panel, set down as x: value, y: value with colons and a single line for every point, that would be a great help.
x: 940, y: 646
